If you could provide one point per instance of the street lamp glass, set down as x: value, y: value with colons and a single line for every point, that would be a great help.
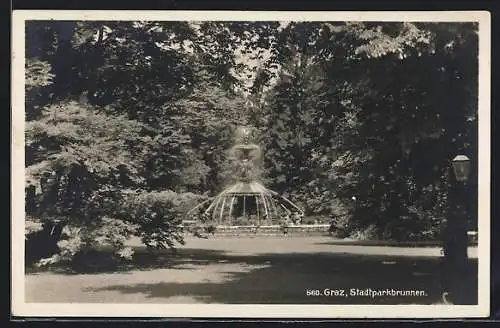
x: 461, y: 167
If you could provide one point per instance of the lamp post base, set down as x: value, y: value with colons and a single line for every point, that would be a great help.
x: 446, y: 299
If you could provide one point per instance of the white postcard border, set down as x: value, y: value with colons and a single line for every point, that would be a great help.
x: 21, y: 308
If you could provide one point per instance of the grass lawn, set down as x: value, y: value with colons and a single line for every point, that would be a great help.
x: 257, y: 270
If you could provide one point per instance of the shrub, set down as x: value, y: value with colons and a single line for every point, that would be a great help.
x: 368, y: 233
x: 153, y: 216
x: 41, y: 241
x: 158, y: 216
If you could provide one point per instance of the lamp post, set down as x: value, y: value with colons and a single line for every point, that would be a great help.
x: 455, y: 237
x: 461, y: 168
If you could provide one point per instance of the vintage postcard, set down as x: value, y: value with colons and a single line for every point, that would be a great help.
x: 251, y: 164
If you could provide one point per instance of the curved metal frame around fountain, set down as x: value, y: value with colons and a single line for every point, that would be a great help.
x: 269, y: 206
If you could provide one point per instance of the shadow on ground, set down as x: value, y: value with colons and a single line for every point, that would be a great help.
x: 284, y: 278
x: 387, y: 243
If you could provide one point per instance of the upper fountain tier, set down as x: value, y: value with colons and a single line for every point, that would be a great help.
x: 245, y: 142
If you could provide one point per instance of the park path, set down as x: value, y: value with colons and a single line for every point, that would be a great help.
x: 248, y: 270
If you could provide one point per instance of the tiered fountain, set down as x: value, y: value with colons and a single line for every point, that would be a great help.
x: 247, y: 200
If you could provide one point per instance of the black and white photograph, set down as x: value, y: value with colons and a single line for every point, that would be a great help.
x: 251, y: 164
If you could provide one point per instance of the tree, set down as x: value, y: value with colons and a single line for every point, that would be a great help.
x: 379, y: 107
x: 413, y: 122
x: 114, y: 147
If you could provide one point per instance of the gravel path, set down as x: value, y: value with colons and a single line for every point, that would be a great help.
x: 252, y: 270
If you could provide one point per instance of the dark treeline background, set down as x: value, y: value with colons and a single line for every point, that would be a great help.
x: 128, y: 124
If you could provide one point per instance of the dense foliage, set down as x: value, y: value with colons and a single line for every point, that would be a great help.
x: 373, y: 113
x: 129, y: 123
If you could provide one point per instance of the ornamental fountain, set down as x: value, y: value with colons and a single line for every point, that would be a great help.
x: 247, y: 201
